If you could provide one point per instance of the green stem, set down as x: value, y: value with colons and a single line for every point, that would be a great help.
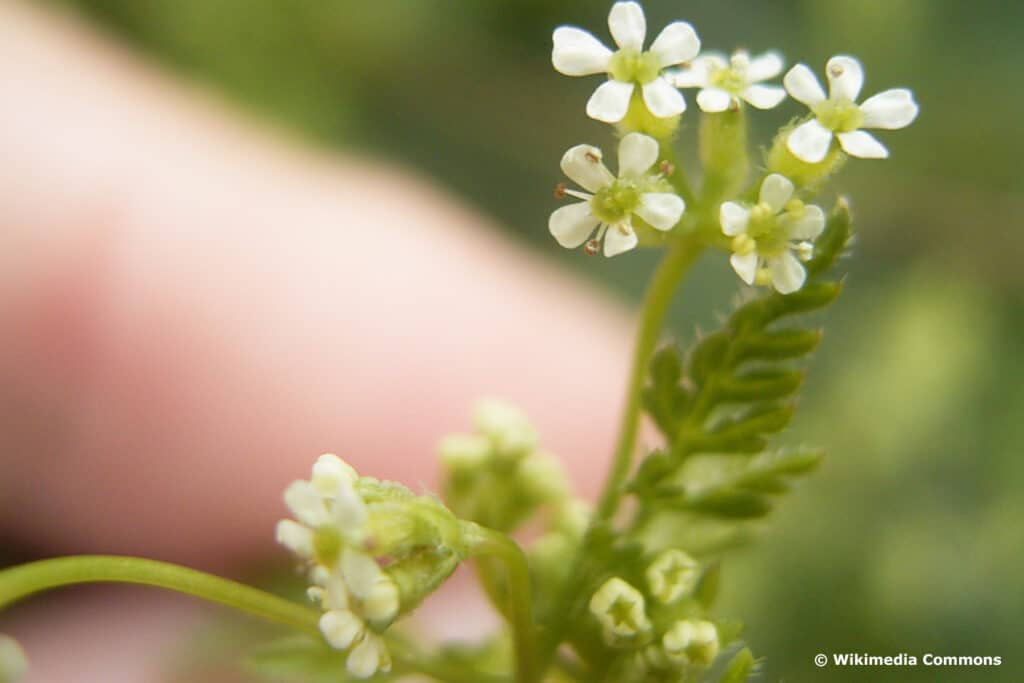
x: 24, y: 580
x: 487, y: 542
x: 659, y: 295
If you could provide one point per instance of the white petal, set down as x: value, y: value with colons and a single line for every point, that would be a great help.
x: 764, y: 96
x: 340, y: 628
x: 662, y: 99
x: 861, y: 144
x: 677, y: 43
x: 788, y: 273
x: 610, y: 101
x: 336, y: 595
x: 891, y: 109
x: 628, y: 26
x: 745, y: 266
x: 845, y: 77
x: 763, y: 67
x: 349, y: 509
x: 637, y: 153
x: 304, y: 502
x: 808, y: 226
x: 583, y: 164
x: 382, y: 603
x: 693, y: 77
x: 803, y: 85
x: 367, y: 657
x: 809, y: 141
x: 572, y: 225
x: 578, y: 53
x: 713, y: 100
x: 360, y: 571
x: 617, y: 241
x: 734, y: 218
x: 328, y: 473
x: 776, y: 191
x: 662, y: 210
x: 295, y: 537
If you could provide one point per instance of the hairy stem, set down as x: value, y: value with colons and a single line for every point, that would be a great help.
x: 659, y: 295
x: 487, y: 542
x: 20, y: 582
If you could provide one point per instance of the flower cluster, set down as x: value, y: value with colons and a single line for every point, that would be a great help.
x: 645, y: 203
x: 657, y: 623
x: 345, y: 528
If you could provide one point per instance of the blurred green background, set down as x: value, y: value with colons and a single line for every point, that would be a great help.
x: 911, y: 538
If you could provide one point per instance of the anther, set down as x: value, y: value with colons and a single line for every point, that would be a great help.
x: 560, y: 191
x: 593, y: 157
x: 667, y: 168
x: 836, y: 70
x: 592, y: 247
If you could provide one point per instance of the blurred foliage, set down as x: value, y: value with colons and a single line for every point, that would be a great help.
x: 909, y: 540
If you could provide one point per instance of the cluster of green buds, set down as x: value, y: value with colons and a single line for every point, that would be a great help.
x: 372, y: 551
x: 498, y: 477
x: 654, y: 621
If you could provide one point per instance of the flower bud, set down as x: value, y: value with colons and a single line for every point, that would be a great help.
x: 620, y: 609
x: 672, y: 575
x: 694, y: 642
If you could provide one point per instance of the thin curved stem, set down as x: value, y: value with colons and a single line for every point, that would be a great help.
x: 487, y: 542
x: 656, y: 302
x: 24, y: 580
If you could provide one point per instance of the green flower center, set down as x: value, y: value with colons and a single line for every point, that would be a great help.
x: 840, y: 115
x: 617, y: 202
x: 629, y: 65
x: 623, y: 614
x: 765, y: 230
x: 327, y: 544
x: 729, y: 80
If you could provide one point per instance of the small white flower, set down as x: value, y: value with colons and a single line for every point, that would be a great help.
x: 766, y: 235
x: 694, y: 642
x: 327, y: 508
x: 620, y: 609
x: 672, y: 575
x: 578, y: 53
x: 610, y: 203
x: 357, y: 597
x: 840, y: 116
x: 724, y: 82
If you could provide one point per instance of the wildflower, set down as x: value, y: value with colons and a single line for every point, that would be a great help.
x: 610, y: 203
x: 672, y: 575
x: 620, y: 609
x: 578, y: 53
x: 359, y: 599
x: 329, y: 512
x: 693, y: 642
x: 840, y: 116
x: 763, y: 235
x: 724, y: 83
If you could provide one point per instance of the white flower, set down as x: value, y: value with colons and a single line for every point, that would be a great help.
x: 672, y: 575
x: 620, y: 609
x: 840, y: 115
x: 695, y: 642
x: 578, y: 53
x: 724, y: 82
x: 327, y: 508
x: 763, y: 235
x: 610, y: 203
x: 357, y: 597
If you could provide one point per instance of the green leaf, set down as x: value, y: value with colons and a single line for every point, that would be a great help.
x: 740, y: 667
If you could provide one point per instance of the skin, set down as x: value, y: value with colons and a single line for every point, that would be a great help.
x: 194, y: 307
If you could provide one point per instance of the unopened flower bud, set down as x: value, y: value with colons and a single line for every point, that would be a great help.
x: 672, y: 575
x: 694, y: 642
x: 620, y: 609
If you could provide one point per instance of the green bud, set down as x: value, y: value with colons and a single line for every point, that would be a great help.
x: 693, y: 642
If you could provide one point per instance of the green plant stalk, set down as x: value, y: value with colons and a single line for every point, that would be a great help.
x: 652, y: 315
x: 482, y: 541
x: 24, y: 580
